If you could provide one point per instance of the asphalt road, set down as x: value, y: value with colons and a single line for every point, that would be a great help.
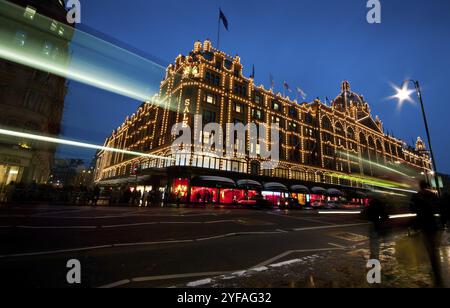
x: 159, y: 247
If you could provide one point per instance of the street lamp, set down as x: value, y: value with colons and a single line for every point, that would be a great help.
x: 404, y: 94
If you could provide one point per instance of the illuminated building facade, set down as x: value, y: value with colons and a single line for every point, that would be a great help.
x: 31, y: 100
x: 334, y: 145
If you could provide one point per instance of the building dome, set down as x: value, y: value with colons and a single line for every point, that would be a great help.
x: 347, y: 98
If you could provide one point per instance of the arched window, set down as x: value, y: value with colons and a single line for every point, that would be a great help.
x: 326, y: 124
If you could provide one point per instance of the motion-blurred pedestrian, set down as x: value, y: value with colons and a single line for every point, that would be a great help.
x: 425, y: 204
x: 445, y: 210
x: 9, y: 192
x: 377, y: 214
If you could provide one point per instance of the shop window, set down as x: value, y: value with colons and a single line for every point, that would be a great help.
x: 254, y: 168
x: 293, y: 126
x: 257, y: 114
x: 238, y: 107
x: 240, y: 89
x: 258, y: 99
x: 276, y: 106
x: 293, y: 112
x: 209, y: 117
x: 211, y: 98
x: 309, y: 119
x: 276, y: 120
x: 212, y: 79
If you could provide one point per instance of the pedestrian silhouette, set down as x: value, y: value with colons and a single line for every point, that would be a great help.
x: 425, y: 204
x: 445, y: 210
x: 376, y: 213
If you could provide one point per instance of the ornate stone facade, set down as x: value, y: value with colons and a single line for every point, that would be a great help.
x: 338, y: 144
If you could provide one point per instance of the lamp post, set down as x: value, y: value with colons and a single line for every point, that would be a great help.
x: 402, y: 95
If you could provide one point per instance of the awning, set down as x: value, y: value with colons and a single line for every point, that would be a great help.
x: 300, y: 189
x: 213, y: 181
x: 334, y: 192
x: 278, y: 187
x: 249, y: 184
x: 318, y: 190
x: 131, y: 180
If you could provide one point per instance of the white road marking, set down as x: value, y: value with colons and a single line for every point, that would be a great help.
x: 124, y: 225
x: 177, y: 241
x: 331, y: 227
x: 176, y: 276
x: 129, y: 225
x: 285, y: 254
x: 109, y: 216
x: 199, y: 282
x: 58, y: 212
x: 56, y: 227
x: 289, y: 262
x: 159, y: 278
x: 115, y: 284
x: 301, y: 218
x: 260, y: 269
x: 336, y: 245
x: 215, y: 237
x: 224, y: 275
x: 40, y: 253
x: 151, y: 243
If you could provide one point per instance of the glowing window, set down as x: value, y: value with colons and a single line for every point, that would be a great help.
x: 29, y: 12
x: 54, y: 26
x: 210, y: 99
x: 238, y: 107
x: 20, y: 38
x: 47, y: 49
x: 61, y: 31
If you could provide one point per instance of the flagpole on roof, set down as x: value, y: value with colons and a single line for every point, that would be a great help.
x: 224, y: 20
x: 218, y: 31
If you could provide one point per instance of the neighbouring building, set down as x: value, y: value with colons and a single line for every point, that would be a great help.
x: 31, y: 101
x: 338, y: 145
x: 71, y: 172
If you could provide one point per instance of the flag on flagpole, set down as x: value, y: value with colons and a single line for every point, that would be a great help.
x: 286, y: 87
x: 224, y: 19
x: 253, y: 72
x: 301, y: 93
x: 272, y: 82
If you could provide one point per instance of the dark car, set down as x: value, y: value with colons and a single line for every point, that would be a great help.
x: 289, y: 203
x: 256, y: 202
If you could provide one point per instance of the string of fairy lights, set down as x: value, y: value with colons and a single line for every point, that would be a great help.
x: 233, y: 74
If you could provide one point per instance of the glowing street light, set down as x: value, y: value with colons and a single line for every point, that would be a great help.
x: 404, y: 94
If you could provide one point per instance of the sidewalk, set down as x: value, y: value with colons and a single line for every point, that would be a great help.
x: 404, y: 261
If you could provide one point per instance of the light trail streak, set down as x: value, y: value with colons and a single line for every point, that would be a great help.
x: 71, y: 74
x: 340, y: 212
x: 402, y: 216
x: 376, y: 164
x: 77, y: 55
x: 76, y: 144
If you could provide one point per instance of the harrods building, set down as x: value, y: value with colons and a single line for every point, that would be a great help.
x: 330, y: 145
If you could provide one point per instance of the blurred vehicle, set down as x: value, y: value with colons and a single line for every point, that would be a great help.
x: 333, y: 205
x: 352, y: 205
x: 257, y: 201
x: 318, y: 204
x: 289, y: 203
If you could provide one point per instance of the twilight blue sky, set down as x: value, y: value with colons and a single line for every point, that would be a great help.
x: 314, y: 44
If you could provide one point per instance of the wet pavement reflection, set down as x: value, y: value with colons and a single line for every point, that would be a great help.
x: 404, y: 259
